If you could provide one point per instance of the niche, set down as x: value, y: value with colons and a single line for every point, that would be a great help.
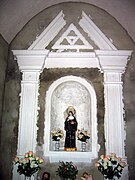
x: 80, y: 94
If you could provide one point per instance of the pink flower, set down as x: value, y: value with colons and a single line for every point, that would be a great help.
x: 102, y: 156
x: 105, y: 159
x: 26, y: 155
x: 41, y: 160
x: 27, y: 160
x: 97, y: 164
x: 16, y: 159
x: 115, y: 158
x: 108, y: 157
x: 30, y: 153
x: 119, y: 159
x: 37, y: 158
x: 113, y: 154
x: 123, y: 164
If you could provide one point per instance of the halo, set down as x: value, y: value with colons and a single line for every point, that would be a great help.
x: 72, y: 109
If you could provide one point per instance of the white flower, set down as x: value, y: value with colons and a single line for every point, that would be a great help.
x: 31, y: 160
x: 105, y: 165
x: 119, y: 168
x: 109, y: 163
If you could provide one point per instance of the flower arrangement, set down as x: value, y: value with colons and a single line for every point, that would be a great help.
x: 57, y: 134
x: 83, y: 135
x: 28, y: 165
x: 110, y: 166
x: 67, y: 170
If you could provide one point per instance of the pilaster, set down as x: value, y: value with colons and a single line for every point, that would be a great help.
x: 113, y: 64
x: 30, y: 64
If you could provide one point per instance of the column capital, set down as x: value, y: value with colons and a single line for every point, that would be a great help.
x: 30, y: 60
x: 113, y: 60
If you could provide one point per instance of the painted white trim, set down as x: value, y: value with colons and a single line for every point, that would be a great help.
x: 72, y: 45
x: 56, y: 156
x: 113, y: 64
x: 95, y: 33
x: 109, y: 60
x: 113, y: 61
x: 72, y: 54
x: 49, y: 33
x: 31, y: 64
x: 30, y: 60
x: 85, y: 22
x: 72, y: 60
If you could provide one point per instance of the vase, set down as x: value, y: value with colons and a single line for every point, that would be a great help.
x: 83, y: 146
x: 27, y: 178
x: 67, y: 179
x: 57, y: 145
x: 33, y: 177
x: 111, y: 178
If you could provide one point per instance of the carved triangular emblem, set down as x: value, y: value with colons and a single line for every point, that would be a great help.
x: 72, y: 39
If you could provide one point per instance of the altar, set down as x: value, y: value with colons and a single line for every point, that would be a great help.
x: 74, y: 74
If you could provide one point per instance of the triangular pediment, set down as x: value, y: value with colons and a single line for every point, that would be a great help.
x: 72, y: 38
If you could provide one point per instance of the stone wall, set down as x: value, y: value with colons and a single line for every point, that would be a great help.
x: 27, y: 35
x: 9, y: 119
x: 129, y: 102
x: 3, y: 67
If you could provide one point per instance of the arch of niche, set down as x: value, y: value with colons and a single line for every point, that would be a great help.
x: 107, y: 58
x: 83, y: 100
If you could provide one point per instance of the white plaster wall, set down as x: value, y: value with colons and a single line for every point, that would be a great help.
x: 74, y: 94
x: 15, y: 14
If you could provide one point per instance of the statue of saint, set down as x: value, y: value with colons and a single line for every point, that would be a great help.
x: 70, y: 128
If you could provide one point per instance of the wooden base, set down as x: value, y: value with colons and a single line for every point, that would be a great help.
x: 70, y: 149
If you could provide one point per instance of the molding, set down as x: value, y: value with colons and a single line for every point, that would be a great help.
x: 30, y: 63
x: 85, y: 157
x: 58, y: 23
x: 72, y: 40
x: 28, y: 112
x: 114, y: 122
x: 30, y: 60
x: 113, y: 64
x: 95, y: 33
x: 113, y: 61
x: 72, y: 54
x: 49, y: 33
x: 72, y: 60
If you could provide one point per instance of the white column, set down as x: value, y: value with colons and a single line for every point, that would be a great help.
x: 113, y: 64
x: 31, y: 63
x: 28, y: 112
x: 114, y: 124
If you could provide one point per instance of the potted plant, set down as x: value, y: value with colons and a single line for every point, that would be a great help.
x: 110, y: 166
x: 28, y: 165
x: 57, y: 135
x: 67, y: 171
x: 83, y: 136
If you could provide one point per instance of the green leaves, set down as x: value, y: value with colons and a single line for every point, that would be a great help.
x: 110, y: 166
x: 28, y: 165
x: 67, y: 170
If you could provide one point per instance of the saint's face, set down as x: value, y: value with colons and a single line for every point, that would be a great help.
x: 45, y: 176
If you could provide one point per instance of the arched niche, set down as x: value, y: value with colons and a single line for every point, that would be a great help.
x: 77, y: 92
